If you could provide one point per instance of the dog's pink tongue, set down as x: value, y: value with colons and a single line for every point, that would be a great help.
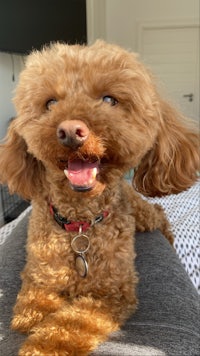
x: 82, y: 173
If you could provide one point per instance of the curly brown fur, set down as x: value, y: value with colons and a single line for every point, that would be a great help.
x: 88, y: 110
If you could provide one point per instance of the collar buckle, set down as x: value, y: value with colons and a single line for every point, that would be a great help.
x: 61, y: 220
x: 58, y: 218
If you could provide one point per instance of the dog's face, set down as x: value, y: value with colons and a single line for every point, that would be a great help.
x: 86, y: 113
x: 85, y: 116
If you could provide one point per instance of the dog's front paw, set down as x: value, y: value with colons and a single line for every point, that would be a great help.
x: 30, y: 348
x: 25, y: 321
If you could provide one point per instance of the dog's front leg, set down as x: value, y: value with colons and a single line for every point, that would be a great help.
x: 75, y: 329
x: 149, y: 217
x: 32, y: 305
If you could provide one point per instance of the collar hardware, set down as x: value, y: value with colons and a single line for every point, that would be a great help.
x: 80, y: 243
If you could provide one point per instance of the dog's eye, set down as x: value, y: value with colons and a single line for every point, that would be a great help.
x: 50, y: 102
x: 110, y: 100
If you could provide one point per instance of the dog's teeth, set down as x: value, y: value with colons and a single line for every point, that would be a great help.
x: 94, y: 172
x: 66, y: 172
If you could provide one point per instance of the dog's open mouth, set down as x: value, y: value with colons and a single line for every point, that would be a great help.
x: 82, y: 174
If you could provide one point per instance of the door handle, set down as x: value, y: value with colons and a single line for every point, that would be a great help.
x: 189, y: 96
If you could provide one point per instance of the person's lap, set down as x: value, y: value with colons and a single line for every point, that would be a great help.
x: 166, y: 322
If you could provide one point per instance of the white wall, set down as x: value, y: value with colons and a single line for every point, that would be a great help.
x: 10, y: 67
x: 118, y: 20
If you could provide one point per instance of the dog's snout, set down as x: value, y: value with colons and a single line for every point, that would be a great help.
x: 72, y: 133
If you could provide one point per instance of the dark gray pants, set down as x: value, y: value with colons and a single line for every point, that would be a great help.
x: 166, y: 322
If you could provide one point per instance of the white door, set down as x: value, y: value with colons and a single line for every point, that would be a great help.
x: 172, y: 53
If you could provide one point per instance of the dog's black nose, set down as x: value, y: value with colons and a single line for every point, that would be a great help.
x: 72, y: 133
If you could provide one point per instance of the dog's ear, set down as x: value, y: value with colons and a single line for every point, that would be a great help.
x: 172, y: 165
x: 19, y: 169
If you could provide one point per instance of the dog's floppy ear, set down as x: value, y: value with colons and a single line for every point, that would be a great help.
x: 18, y: 168
x: 171, y: 166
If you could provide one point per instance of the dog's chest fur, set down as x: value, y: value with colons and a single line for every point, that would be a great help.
x: 109, y: 257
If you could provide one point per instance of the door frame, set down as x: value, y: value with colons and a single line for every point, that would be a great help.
x: 96, y: 20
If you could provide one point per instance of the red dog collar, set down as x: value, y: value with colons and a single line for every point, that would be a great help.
x: 69, y: 225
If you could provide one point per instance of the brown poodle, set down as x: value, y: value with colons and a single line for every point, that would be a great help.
x: 85, y: 116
